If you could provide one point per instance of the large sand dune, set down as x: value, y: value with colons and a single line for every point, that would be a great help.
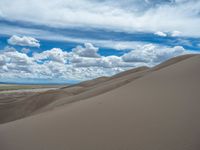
x: 43, y: 101
x: 141, y: 109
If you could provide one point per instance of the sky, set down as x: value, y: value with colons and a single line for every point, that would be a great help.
x: 67, y: 41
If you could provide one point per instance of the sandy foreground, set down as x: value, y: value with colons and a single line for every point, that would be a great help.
x: 141, y: 109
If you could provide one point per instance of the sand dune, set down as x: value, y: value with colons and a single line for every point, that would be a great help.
x: 142, y: 109
x: 48, y: 100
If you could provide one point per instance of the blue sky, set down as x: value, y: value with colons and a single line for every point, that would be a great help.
x: 46, y: 41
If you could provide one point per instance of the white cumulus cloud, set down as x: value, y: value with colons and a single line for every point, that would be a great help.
x: 57, y: 64
x: 23, y: 41
x: 159, y: 33
x: 151, y: 54
x: 88, y: 50
x: 55, y: 54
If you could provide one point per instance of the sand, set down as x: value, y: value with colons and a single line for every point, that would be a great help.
x: 36, y: 103
x: 147, y: 109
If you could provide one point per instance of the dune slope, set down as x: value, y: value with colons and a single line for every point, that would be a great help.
x: 159, y: 111
x: 43, y: 101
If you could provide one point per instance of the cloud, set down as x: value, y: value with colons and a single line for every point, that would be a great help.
x: 16, y: 63
x: 55, y: 54
x: 151, y: 54
x: 18, y: 58
x: 87, y: 51
x: 159, y: 33
x: 127, y: 16
x: 23, y: 41
x: 58, y: 64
